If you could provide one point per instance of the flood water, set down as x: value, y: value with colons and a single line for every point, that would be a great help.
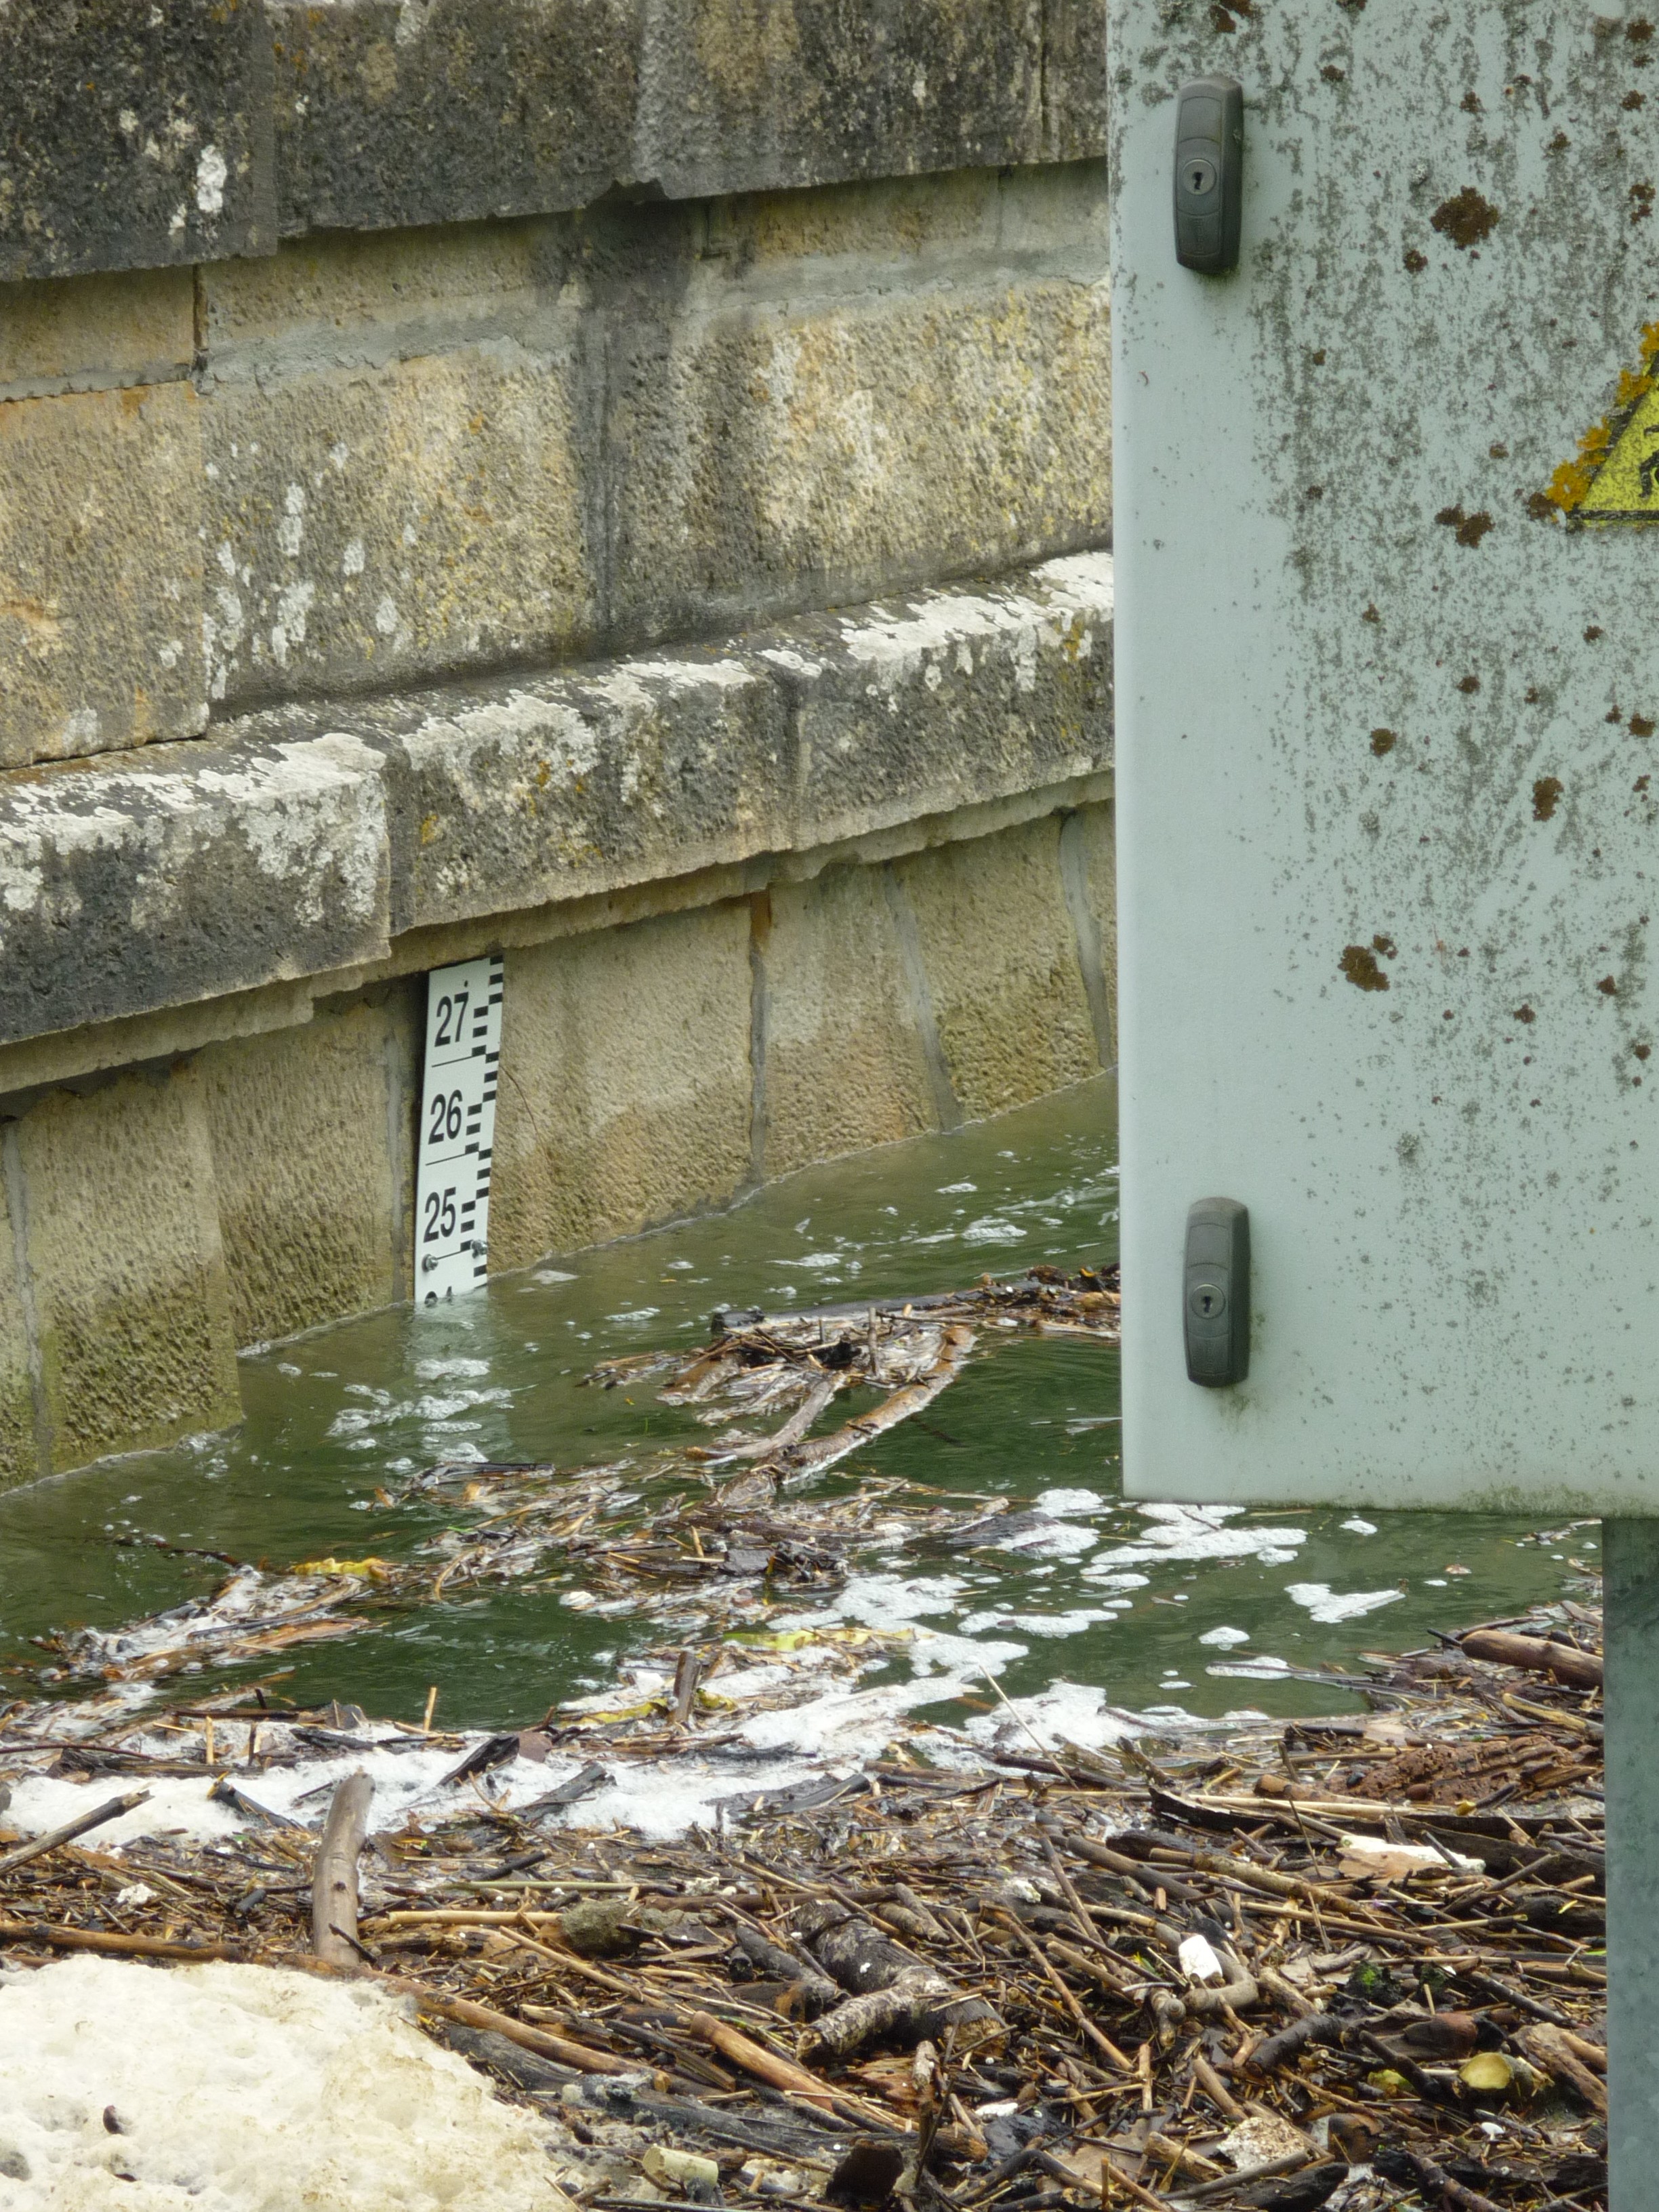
x: 1141, y: 1606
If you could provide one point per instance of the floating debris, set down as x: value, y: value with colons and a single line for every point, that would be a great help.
x: 1355, y: 1962
x: 674, y: 1531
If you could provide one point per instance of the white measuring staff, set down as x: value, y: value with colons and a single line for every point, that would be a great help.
x: 457, y: 1128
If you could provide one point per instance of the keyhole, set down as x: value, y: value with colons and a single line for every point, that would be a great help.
x: 1200, y: 177
x: 1209, y: 1300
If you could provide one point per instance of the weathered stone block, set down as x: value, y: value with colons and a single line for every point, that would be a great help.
x: 443, y: 110
x: 401, y: 112
x: 844, y: 1064
x: 453, y: 449
x: 186, y: 872
x: 300, y: 1123
x: 86, y: 333
x: 517, y: 795
x: 931, y: 701
x: 894, y: 231
x: 787, y: 455
x: 626, y: 1082
x: 190, y: 133
x: 1001, y: 957
x: 20, y: 1454
x: 741, y: 95
x: 374, y: 524
x: 1074, y: 79
x: 349, y: 298
x: 126, y: 1275
x: 100, y: 572
x: 133, y: 137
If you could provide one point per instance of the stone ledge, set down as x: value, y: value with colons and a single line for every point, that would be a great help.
x: 134, y: 137
x: 138, y: 137
x: 389, y: 112
x: 184, y: 872
x: 304, y: 842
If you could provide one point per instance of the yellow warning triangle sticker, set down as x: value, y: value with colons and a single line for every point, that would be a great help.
x: 1615, y: 476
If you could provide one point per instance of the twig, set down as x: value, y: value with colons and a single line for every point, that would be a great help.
x: 117, y: 1947
x: 110, y: 1811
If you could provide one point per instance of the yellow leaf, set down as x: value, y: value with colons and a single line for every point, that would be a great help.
x: 1390, y: 2083
x: 1488, y: 2073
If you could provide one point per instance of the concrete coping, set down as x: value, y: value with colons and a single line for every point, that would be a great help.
x: 308, y: 840
x: 142, y: 138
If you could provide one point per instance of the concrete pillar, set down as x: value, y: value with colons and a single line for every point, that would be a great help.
x: 1631, y: 1564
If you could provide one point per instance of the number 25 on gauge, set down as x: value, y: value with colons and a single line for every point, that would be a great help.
x: 441, y: 1216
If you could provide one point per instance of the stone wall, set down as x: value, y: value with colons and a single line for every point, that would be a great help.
x: 368, y: 460
x: 161, y: 137
x: 621, y: 485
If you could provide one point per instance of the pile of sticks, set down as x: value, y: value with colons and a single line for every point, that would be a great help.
x: 1356, y: 1962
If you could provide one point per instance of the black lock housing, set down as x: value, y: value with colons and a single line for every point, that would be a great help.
x: 1216, y: 1293
x: 1209, y: 173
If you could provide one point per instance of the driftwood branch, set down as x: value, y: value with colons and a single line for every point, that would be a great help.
x: 1237, y: 1993
x: 1537, y: 1654
x: 334, y: 1873
x: 816, y: 1991
x: 1552, y: 2048
x: 110, y: 1810
x: 796, y: 1463
x: 113, y: 1946
x: 891, y: 1992
x: 907, y: 2007
x: 765, y: 2065
x: 1276, y: 2051
x: 467, y: 2014
x: 856, y: 1955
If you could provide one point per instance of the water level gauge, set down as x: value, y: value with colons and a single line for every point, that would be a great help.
x: 457, y: 1128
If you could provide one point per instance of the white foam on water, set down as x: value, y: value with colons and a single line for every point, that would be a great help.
x: 404, y: 1781
x: 991, y: 1229
x: 820, y: 1714
x: 1224, y: 1636
x: 1047, y: 1540
x: 888, y: 1601
x: 832, y: 1732
x: 1060, y: 1503
x: 1058, y: 1624
x: 1200, y: 1532
x: 1066, y: 1712
x: 1328, y: 1608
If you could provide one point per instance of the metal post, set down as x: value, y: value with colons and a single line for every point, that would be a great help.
x: 1631, y: 1639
